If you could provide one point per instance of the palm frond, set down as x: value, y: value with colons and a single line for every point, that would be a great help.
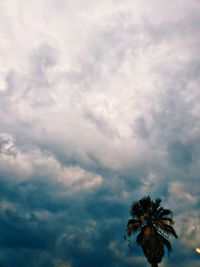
x: 157, y: 202
x: 132, y: 226
x: 145, y: 203
x: 136, y: 209
x: 139, y: 238
x: 156, y: 205
x: 169, y: 230
x: 132, y: 221
x: 166, y: 242
x: 158, y: 211
x: 163, y: 222
x: 164, y: 213
x: 167, y: 220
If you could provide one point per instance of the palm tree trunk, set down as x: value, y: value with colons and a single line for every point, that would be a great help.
x: 154, y: 265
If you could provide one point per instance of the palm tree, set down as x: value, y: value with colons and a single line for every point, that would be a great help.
x: 153, y: 224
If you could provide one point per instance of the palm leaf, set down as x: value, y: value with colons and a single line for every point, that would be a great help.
x: 132, y: 221
x: 132, y: 226
x: 145, y: 203
x: 166, y: 219
x: 165, y: 212
x: 139, y: 238
x: 156, y: 204
x: 168, y: 229
x: 166, y: 242
x: 136, y: 209
x: 158, y: 211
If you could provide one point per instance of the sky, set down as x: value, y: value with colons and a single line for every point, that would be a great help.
x: 99, y: 106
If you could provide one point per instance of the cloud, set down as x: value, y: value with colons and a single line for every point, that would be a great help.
x: 63, y: 265
x: 44, y: 166
x: 99, y: 105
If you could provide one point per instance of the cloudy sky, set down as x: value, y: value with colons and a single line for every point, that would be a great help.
x: 99, y: 105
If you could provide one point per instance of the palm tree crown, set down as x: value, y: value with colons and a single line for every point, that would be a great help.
x: 153, y: 224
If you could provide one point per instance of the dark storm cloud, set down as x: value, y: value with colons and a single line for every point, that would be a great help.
x: 73, y: 231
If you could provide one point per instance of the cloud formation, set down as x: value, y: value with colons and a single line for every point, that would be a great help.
x: 99, y: 105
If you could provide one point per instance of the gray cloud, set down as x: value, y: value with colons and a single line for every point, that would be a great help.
x: 99, y: 105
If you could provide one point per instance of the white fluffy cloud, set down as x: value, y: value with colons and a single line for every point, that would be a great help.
x: 17, y: 166
x: 80, y: 80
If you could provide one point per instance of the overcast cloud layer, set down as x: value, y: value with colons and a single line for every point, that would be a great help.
x: 99, y: 105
